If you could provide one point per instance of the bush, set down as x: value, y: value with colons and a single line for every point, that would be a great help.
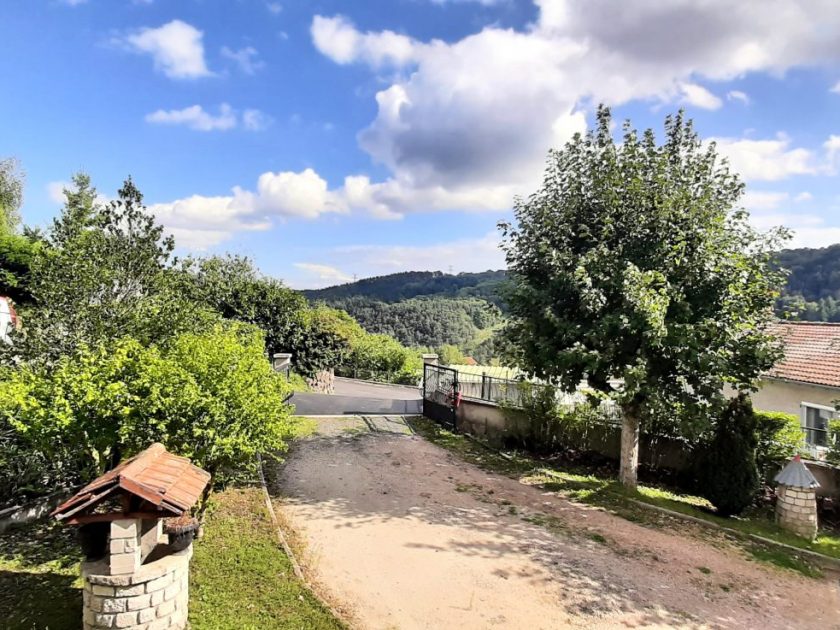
x: 727, y: 470
x: 548, y: 426
x: 833, y: 455
x: 382, y: 358
x: 780, y: 437
x: 211, y: 397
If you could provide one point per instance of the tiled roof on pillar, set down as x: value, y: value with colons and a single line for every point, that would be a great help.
x: 158, y: 479
x: 796, y: 475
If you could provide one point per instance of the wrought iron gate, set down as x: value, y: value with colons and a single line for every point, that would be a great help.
x: 440, y: 394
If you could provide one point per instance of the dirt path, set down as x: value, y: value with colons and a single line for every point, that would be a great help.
x: 406, y: 535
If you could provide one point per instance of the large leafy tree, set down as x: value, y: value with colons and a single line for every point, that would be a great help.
x: 11, y: 195
x: 633, y: 268
x: 103, y: 275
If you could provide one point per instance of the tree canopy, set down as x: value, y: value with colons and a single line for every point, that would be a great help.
x: 633, y: 262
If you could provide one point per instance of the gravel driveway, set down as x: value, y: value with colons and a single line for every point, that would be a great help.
x: 403, y: 534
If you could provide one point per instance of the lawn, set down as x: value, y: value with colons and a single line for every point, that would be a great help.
x: 240, y: 577
x: 583, y: 486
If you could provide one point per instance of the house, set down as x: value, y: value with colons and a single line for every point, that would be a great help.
x: 806, y: 382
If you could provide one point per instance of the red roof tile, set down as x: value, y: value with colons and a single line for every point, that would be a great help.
x: 167, y: 481
x: 812, y: 353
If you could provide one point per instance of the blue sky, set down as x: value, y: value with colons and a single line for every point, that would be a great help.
x: 332, y: 139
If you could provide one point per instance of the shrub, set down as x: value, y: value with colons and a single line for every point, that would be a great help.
x: 382, y: 358
x: 833, y: 455
x: 211, y: 397
x: 780, y: 437
x: 727, y: 470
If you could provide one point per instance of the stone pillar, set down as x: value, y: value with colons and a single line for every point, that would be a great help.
x: 430, y: 359
x: 323, y: 382
x: 124, y: 547
x: 155, y: 596
x: 796, y: 510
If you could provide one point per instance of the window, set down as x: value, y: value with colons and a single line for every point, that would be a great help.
x: 815, y: 420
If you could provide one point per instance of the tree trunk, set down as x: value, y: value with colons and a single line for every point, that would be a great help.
x: 629, y: 447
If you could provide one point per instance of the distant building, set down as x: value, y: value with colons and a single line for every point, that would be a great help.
x: 470, y: 361
x: 8, y: 319
x: 806, y: 382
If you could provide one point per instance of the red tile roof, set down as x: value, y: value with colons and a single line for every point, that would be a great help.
x: 169, y: 482
x: 812, y: 353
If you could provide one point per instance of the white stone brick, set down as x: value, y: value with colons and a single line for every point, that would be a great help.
x: 130, y: 591
x: 103, y: 590
x: 125, y: 620
x: 172, y: 590
x: 124, y: 528
x: 146, y: 615
x: 159, y: 624
x: 159, y: 583
x: 139, y: 602
x: 124, y: 563
x: 165, y: 608
x: 104, y: 621
x: 156, y: 597
x: 113, y: 604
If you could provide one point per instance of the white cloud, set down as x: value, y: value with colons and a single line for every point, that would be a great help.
x: 247, y: 59
x: 275, y: 8
x: 832, y: 151
x: 323, y: 275
x: 836, y: 88
x: 195, y: 117
x: 481, y: 112
x: 697, y: 95
x: 815, y: 236
x: 763, y: 199
x: 738, y: 95
x: 176, y: 48
x: 199, y: 222
x: 768, y: 160
x: 73, y: 3
x: 803, y: 197
x: 338, y: 39
x: 55, y: 191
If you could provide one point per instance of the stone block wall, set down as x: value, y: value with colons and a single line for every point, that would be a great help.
x: 796, y: 510
x: 155, y: 596
x: 323, y: 382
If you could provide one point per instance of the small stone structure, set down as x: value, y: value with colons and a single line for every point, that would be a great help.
x: 430, y: 359
x: 322, y: 382
x: 281, y: 362
x: 137, y: 576
x: 796, y: 504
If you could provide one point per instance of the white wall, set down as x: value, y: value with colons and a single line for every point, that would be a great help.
x: 784, y: 396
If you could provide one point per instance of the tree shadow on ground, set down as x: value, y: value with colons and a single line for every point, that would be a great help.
x: 38, y: 577
x: 592, y: 570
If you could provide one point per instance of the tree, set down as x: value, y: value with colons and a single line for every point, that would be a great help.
x: 101, y: 276
x: 450, y: 354
x: 727, y: 470
x: 11, y: 195
x: 632, y: 262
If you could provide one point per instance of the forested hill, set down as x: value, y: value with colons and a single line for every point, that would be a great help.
x: 430, y: 308
x: 411, y: 284
x: 813, y: 289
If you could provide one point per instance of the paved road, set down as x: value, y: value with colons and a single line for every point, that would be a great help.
x: 355, y: 397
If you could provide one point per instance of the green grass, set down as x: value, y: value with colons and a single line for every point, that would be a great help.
x: 240, y: 577
x: 581, y: 485
x: 39, y: 578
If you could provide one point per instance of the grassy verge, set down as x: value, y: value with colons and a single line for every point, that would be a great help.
x: 583, y: 486
x: 39, y: 578
x: 241, y: 579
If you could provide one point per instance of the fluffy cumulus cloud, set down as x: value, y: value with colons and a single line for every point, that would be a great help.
x: 459, y: 120
x: 200, y: 222
x: 177, y: 49
x: 197, y: 118
x: 322, y: 275
x: 466, y: 124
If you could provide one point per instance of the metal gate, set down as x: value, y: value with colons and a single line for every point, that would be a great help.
x: 440, y: 394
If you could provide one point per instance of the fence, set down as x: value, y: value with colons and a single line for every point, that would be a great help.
x: 513, y: 392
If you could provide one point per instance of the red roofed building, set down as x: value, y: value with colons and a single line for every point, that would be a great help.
x: 806, y: 382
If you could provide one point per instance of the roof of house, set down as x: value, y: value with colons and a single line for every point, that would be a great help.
x: 170, y: 483
x: 812, y: 353
x: 797, y: 475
